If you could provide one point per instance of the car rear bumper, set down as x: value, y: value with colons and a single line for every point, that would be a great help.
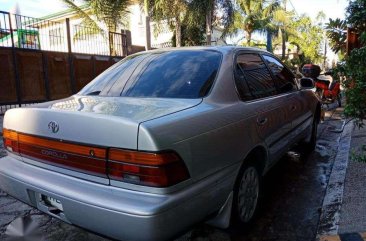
x: 115, y: 212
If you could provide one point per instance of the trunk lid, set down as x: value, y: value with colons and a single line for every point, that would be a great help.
x: 93, y: 120
x: 76, y: 133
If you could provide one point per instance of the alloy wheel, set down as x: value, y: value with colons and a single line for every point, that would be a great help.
x: 248, y: 193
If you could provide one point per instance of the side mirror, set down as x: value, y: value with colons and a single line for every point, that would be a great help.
x: 307, y: 83
x: 328, y: 72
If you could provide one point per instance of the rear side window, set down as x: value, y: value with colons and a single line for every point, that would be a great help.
x: 253, y: 78
x: 284, y: 79
x: 105, y: 80
x: 176, y: 74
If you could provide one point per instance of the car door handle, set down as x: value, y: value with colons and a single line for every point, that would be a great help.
x: 293, y: 108
x: 262, y: 121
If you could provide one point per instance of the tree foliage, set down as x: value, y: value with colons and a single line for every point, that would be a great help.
x: 282, y: 23
x: 336, y: 30
x: 192, y: 35
x: 354, y: 67
x: 355, y: 84
x: 356, y: 15
x: 308, y: 38
x: 302, y: 35
x: 111, y: 13
x: 212, y: 13
x: 172, y: 12
x: 251, y: 16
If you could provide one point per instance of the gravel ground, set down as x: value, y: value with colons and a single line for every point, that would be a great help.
x: 353, y: 212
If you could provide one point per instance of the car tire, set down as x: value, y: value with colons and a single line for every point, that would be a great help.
x: 246, y: 195
x: 310, y: 146
x: 339, y: 100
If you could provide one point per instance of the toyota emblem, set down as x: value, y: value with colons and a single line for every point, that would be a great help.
x: 53, y: 126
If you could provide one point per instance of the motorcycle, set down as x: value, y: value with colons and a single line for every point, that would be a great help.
x: 327, y: 91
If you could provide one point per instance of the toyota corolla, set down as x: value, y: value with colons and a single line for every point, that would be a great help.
x: 160, y: 141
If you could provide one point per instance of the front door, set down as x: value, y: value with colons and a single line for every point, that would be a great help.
x: 296, y: 106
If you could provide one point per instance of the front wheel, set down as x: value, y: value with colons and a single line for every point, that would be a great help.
x: 246, y: 194
x: 310, y: 146
x: 339, y: 100
x: 319, y: 93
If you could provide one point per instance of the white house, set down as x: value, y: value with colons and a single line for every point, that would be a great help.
x: 51, y: 33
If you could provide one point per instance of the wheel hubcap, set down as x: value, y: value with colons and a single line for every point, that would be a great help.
x: 248, y: 194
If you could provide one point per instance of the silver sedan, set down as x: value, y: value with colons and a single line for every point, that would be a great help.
x: 160, y: 141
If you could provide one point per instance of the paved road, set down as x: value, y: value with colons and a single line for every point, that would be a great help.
x: 293, y: 196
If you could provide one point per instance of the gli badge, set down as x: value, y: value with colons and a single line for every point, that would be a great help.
x: 53, y: 126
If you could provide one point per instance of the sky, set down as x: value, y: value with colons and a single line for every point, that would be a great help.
x: 331, y: 8
x: 33, y: 8
x: 39, y: 8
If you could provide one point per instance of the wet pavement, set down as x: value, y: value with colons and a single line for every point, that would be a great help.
x: 293, y: 194
x: 290, y: 208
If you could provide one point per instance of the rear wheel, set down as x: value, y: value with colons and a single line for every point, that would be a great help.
x: 246, y: 194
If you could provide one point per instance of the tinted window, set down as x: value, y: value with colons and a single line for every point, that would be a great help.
x: 284, y: 79
x: 106, y: 79
x: 166, y: 74
x: 253, y: 77
x: 176, y: 74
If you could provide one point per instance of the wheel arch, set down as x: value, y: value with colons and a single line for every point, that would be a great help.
x: 259, y: 156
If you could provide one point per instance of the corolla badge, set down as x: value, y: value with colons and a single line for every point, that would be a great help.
x: 53, y: 126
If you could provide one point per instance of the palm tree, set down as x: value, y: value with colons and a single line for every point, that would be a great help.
x: 219, y: 12
x: 111, y: 13
x: 173, y: 12
x: 281, y: 22
x: 251, y: 16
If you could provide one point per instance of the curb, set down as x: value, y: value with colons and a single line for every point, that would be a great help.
x: 332, y: 203
x: 345, y: 237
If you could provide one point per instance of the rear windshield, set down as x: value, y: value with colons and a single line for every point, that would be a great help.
x: 172, y: 74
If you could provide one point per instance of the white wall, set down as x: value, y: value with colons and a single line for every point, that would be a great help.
x: 137, y: 28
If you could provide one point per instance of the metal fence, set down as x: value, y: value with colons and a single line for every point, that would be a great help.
x: 40, y: 34
x: 162, y: 45
x: 42, y: 60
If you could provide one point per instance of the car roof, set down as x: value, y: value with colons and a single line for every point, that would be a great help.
x: 223, y: 49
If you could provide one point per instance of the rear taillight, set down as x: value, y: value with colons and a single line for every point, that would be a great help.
x: 87, y: 159
x: 10, y: 140
x: 144, y: 168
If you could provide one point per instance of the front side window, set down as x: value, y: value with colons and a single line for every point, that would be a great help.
x: 253, y: 78
x: 167, y: 74
x: 284, y: 79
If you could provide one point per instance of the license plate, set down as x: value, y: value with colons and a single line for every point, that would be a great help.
x: 53, y: 202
